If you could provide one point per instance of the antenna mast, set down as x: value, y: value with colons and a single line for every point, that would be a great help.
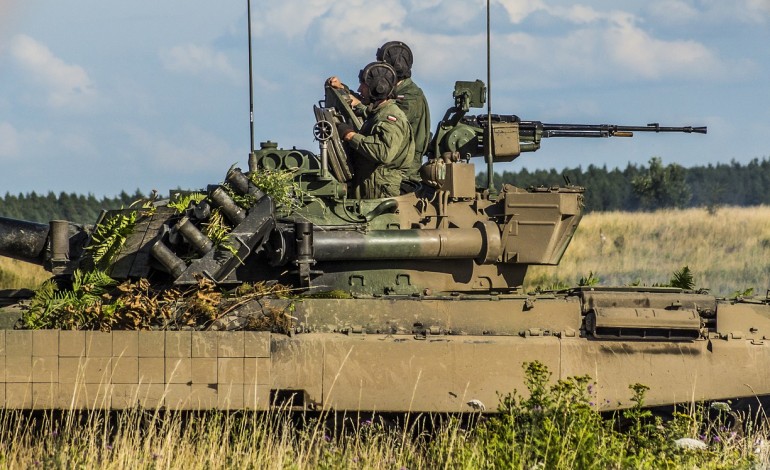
x: 251, y: 82
x: 490, y: 165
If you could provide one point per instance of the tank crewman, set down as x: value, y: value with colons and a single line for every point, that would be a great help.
x: 409, y: 97
x: 384, y: 147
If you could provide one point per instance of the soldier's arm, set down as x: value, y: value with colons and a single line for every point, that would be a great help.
x: 381, y: 145
x: 361, y: 110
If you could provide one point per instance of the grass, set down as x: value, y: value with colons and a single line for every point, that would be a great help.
x: 15, y: 274
x: 726, y: 251
x: 554, y: 427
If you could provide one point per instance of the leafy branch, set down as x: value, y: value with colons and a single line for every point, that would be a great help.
x: 110, y: 236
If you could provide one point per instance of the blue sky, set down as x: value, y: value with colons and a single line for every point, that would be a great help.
x: 98, y: 97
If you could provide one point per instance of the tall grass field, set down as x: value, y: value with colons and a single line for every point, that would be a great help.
x: 556, y: 427
x: 15, y: 274
x: 727, y: 250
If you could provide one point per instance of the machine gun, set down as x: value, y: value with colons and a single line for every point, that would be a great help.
x: 468, y: 136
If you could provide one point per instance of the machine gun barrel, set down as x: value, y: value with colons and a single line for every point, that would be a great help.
x: 512, y: 136
x: 601, y: 130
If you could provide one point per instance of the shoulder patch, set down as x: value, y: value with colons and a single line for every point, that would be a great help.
x: 392, y: 118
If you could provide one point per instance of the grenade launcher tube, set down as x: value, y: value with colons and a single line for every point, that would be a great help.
x: 481, y: 243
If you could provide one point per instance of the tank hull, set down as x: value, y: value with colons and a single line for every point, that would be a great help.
x: 430, y: 355
x: 384, y: 355
x: 389, y: 373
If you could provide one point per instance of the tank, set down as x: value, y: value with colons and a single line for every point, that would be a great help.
x: 415, y: 303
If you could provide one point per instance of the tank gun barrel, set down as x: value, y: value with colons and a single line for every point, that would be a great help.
x: 53, y: 245
x: 23, y: 240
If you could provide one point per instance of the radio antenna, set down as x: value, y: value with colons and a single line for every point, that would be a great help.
x: 490, y: 165
x: 251, y: 82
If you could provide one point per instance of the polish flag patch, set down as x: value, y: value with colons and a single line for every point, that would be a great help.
x: 392, y: 118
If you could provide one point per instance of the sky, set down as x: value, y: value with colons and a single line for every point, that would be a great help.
x: 100, y: 97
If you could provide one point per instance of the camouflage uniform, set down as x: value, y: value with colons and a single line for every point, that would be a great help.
x: 384, y: 150
x: 412, y: 102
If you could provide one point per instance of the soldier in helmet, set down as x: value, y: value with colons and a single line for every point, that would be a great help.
x: 409, y: 97
x: 384, y: 147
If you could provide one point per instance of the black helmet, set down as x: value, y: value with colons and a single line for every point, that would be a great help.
x: 399, y: 56
x: 380, y: 78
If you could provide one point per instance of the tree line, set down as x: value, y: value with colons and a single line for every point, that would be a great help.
x: 637, y: 187
x: 654, y: 186
x: 64, y: 206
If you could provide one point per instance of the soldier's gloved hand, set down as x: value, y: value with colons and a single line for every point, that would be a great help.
x: 344, y: 130
x: 334, y: 82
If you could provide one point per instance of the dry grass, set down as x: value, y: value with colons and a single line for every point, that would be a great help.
x: 726, y: 251
x: 556, y: 430
x: 15, y: 274
x: 197, y: 440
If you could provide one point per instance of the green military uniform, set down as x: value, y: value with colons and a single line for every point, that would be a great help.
x: 412, y: 102
x: 384, y: 152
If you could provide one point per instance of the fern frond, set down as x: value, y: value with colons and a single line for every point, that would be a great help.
x: 110, y: 236
x: 182, y: 201
x: 683, y: 279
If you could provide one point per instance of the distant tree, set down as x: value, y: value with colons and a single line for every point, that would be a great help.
x: 662, y: 186
x: 66, y: 206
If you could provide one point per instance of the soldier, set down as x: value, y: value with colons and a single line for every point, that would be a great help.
x: 384, y: 148
x: 409, y: 97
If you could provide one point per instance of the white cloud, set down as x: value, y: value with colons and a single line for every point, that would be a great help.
x: 759, y: 10
x: 602, y: 45
x: 440, y: 56
x: 595, y: 43
x: 715, y: 12
x: 199, y: 60
x: 449, y: 14
x: 635, y: 50
x: 762, y: 6
x: 355, y: 30
x: 67, y: 85
x: 518, y: 11
x: 291, y: 18
x: 674, y: 10
x: 186, y: 151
